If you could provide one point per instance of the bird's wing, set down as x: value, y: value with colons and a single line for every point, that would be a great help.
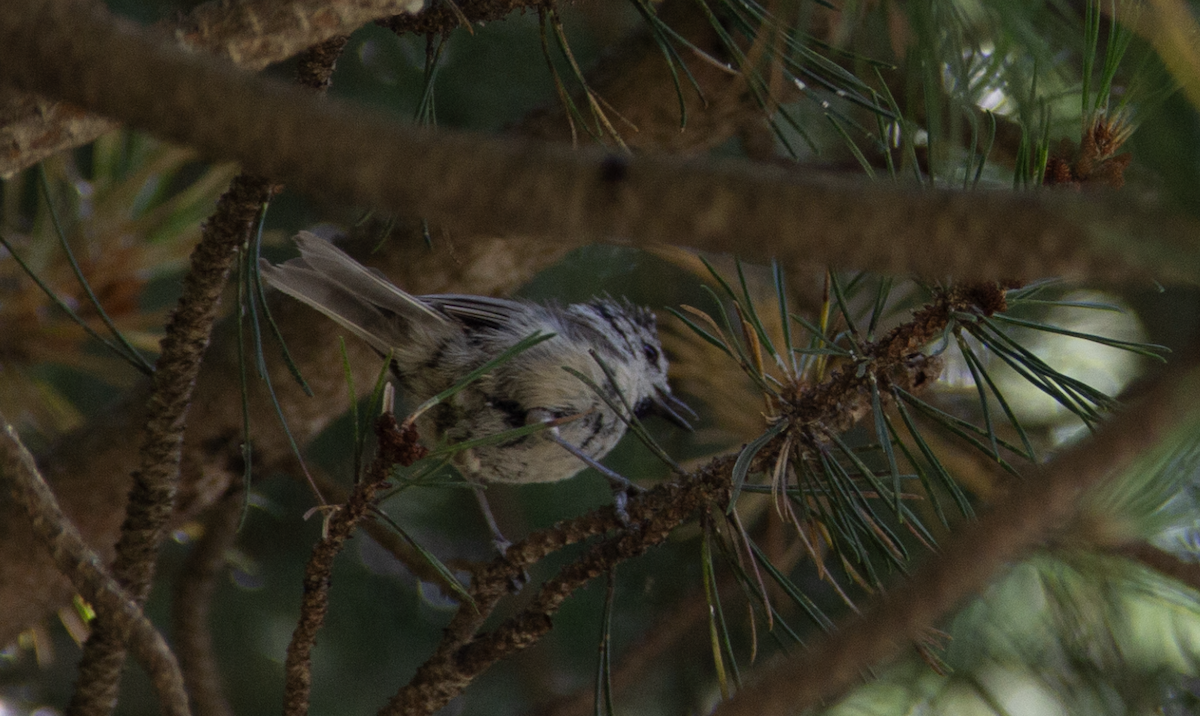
x: 479, y: 311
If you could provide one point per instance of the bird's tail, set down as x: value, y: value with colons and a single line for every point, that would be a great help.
x: 357, y: 298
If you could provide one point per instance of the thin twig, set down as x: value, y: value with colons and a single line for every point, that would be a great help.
x: 152, y: 497
x: 315, y: 67
x: 194, y: 591
x: 193, y: 602
x: 395, y: 448
x: 86, y: 571
x: 843, y: 397
x: 462, y: 656
x: 386, y: 537
x: 1164, y: 563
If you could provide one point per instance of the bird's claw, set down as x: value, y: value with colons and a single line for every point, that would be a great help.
x: 622, y: 489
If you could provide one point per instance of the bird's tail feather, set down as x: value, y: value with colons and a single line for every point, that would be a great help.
x: 328, y: 280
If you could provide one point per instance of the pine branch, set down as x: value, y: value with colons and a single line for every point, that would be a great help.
x: 396, y: 448
x: 155, y: 482
x: 250, y: 34
x: 637, y: 83
x: 1164, y: 563
x: 974, y: 555
x: 463, y: 655
x: 489, y: 185
x: 86, y: 571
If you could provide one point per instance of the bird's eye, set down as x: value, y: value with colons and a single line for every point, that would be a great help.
x: 650, y: 352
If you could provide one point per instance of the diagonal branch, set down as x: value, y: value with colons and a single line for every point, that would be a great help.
x: 87, y: 573
x: 251, y: 34
x: 462, y: 656
x: 486, y: 185
x: 395, y: 448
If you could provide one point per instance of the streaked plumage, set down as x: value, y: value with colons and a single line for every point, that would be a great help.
x: 435, y: 340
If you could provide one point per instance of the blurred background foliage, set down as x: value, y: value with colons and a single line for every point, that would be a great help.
x: 960, y: 93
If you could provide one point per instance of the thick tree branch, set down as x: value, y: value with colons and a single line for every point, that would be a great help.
x: 251, y: 34
x: 255, y: 33
x: 86, y: 571
x: 489, y: 185
x: 633, y: 79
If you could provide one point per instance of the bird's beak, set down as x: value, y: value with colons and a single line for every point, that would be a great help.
x: 667, y: 406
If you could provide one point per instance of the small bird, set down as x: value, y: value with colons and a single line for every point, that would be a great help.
x: 435, y: 341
